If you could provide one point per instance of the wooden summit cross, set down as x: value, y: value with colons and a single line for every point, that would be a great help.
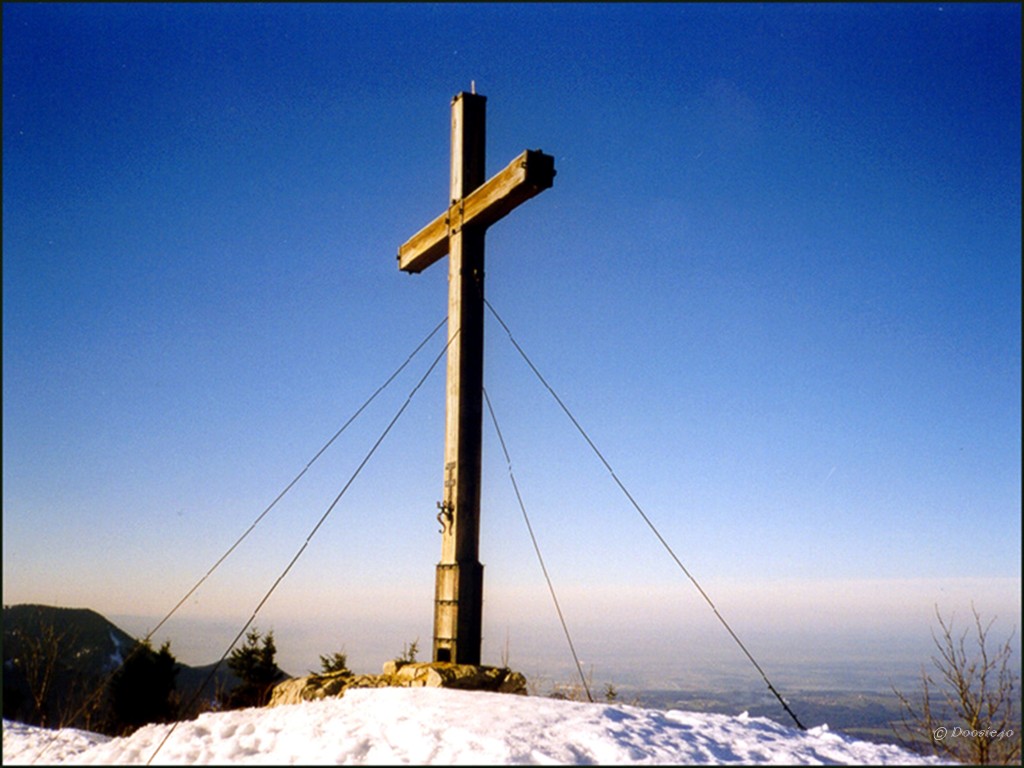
x: 459, y: 232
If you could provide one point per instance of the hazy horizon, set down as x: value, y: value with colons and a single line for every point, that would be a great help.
x: 797, y: 641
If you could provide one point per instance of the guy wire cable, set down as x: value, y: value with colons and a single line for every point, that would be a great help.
x: 647, y: 519
x: 141, y: 643
x: 296, y: 479
x: 536, y: 547
x: 305, y: 544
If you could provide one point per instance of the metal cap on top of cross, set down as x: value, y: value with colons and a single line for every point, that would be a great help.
x: 474, y: 205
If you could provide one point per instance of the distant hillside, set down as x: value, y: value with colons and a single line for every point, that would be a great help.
x: 99, y: 646
x: 56, y: 658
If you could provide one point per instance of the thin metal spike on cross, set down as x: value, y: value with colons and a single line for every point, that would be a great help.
x: 474, y: 206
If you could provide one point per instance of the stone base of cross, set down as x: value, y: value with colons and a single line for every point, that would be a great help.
x: 459, y: 232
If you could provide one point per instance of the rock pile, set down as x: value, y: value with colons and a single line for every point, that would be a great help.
x: 400, y: 674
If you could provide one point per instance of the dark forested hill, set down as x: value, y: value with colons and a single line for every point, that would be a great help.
x: 56, y: 659
x: 95, y: 645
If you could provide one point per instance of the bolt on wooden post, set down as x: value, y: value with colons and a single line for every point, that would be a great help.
x: 474, y: 205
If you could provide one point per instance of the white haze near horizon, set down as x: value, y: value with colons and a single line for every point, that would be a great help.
x: 827, y: 634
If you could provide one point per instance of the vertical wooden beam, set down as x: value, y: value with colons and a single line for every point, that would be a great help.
x: 458, y: 603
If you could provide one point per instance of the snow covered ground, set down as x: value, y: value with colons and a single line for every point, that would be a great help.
x: 430, y: 726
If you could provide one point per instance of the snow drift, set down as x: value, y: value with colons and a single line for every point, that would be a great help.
x: 428, y: 726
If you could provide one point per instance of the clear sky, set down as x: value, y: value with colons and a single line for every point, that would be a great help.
x: 777, y: 280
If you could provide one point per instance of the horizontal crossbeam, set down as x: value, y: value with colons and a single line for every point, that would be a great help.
x: 529, y: 174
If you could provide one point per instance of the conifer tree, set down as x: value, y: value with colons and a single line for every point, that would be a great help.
x: 255, y: 667
x: 142, y: 690
x: 336, y: 662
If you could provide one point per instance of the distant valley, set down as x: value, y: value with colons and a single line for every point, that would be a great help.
x: 864, y: 715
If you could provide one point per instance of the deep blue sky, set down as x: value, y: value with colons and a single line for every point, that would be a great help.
x: 778, y: 280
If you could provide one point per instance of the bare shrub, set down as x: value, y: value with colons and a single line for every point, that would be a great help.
x: 965, y: 709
